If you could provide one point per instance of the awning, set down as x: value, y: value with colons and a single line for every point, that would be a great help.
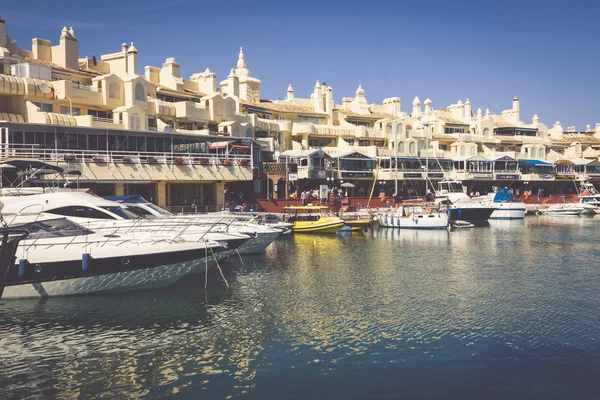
x: 564, y: 162
x: 537, y: 163
x: 239, y: 146
x: 218, y: 145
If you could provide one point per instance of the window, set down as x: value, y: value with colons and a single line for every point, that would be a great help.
x: 364, y: 142
x: 44, y: 107
x: 134, y: 121
x: 140, y: 92
x: 307, y: 120
x: 350, y: 141
x: 67, y: 110
x: 114, y: 90
x: 454, y: 130
x: 98, y: 113
x: 81, y: 212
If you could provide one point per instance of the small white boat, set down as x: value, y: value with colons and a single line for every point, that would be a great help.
x: 413, y: 217
x: 569, y: 209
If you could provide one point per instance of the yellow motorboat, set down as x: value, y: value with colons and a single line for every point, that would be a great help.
x: 313, y: 219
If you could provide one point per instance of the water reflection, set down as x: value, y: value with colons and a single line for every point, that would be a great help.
x: 475, y: 312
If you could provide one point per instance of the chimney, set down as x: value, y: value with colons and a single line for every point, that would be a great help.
x: 207, y: 82
x: 67, y: 52
x: 132, y: 60
x: 3, y: 33
x: 41, y: 49
x: 468, y: 110
x: 172, y: 67
x: 318, y: 98
x: 233, y: 84
x: 329, y: 101
x: 290, y: 93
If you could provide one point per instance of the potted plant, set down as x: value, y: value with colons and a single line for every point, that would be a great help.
x: 127, y: 160
x: 244, y: 162
x: 227, y: 162
x: 151, y: 160
x: 204, y: 161
x: 70, y: 157
x: 178, y: 161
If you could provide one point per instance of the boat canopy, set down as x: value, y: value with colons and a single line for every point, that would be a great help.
x: 306, y: 208
x: 28, y: 164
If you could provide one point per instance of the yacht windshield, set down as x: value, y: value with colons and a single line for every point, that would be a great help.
x: 455, y: 187
x: 121, y: 212
x: 156, y: 208
x: 60, y: 227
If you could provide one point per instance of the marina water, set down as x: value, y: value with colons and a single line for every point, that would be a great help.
x: 507, y: 311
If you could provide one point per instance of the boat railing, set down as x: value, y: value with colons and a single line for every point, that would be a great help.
x: 11, y: 237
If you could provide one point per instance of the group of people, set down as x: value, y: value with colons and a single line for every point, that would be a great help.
x: 314, y: 195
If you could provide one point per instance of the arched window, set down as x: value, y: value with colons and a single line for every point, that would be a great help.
x: 486, y: 132
x: 135, y: 122
x: 401, y: 147
x: 412, y: 148
x: 114, y: 90
x: 541, y: 154
x: 408, y: 129
x: 462, y: 151
x: 533, y: 152
x: 140, y: 92
x: 473, y: 150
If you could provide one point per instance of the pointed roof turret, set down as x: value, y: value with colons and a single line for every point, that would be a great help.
x: 232, y: 74
x: 360, y: 91
x: 467, y: 102
x: 241, y: 61
x: 317, y: 85
x: 428, y: 101
x: 416, y: 101
x: 290, y: 89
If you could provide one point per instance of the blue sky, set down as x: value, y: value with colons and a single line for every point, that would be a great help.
x: 544, y: 52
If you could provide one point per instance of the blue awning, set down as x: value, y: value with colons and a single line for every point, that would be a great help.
x: 537, y: 163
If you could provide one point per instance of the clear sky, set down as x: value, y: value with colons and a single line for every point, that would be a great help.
x: 547, y: 53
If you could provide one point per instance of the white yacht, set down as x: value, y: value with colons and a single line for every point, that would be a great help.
x: 262, y: 234
x: 62, y: 258
x: 589, y: 195
x: 462, y: 209
x: 506, y: 207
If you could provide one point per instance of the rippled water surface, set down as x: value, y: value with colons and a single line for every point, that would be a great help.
x: 508, y: 311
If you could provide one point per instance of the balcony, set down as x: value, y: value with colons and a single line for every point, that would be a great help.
x: 97, y: 122
x: 191, y: 111
x: 79, y: 94
x: 99, y: 165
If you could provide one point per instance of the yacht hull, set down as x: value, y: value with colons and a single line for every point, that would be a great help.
x: 415, y: 221
x: 477, y: 216
x: 509, y: 211
x: 110, y: 274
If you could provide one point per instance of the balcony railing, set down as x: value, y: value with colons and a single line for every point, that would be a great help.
x: 124, y: 157
x: 100, y: 119
x: 86, y: 87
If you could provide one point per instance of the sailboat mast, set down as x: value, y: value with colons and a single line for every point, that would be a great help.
x: 395, y: 133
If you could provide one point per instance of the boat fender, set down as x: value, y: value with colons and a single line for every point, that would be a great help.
x: 428, y: 210
x: 459, y: 212
x: 23, y: 266
x: 86, y: 259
